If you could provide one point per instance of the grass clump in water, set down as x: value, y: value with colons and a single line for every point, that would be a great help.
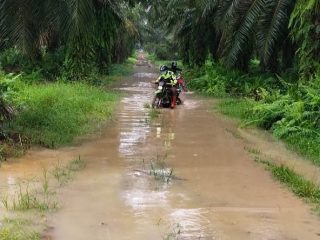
x: 153, y: 113
x: 31, y: 199
x: 64, y: 173
x: 55, y: 114
x: 159, y: 169
x: 174, y: 234
x: 27, y: 199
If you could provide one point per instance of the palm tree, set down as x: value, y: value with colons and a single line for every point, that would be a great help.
x: 231, y: 30
x: 90, y: 30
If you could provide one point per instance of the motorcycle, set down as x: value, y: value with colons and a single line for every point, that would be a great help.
x: 162, y: 96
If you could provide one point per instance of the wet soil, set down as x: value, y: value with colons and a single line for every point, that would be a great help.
x: 218, y: 192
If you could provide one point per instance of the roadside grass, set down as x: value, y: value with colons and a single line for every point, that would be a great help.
x: 52, y: 115
x: 234, y: 133
x: 11, y: 149
x: 115, y: 73
x: 123, y: 69
x: 252, y: 150
x: 305, y: 189
x: 306, y: 144
x: 301, y: 187
x: 236, y: 108
x: 17, y: 229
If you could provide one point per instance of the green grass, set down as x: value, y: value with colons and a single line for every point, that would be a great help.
x: 116, y: 72
x: 123, y: 69
x: 306, y: 145
x: 55, y: 114
x: 17, y: 229
x: 301, y: 187
x: 236, y: 108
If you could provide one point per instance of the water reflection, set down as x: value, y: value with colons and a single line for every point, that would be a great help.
x: 192, y: 223
x: 147, y: 197
x: 140, y: 196
x: 146, y: 75
x: 132, y: 120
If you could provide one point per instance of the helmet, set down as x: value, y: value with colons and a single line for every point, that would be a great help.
x: 163, y: 69
x: 174, y: 65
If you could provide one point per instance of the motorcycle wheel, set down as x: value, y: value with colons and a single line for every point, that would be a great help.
x: 156, y: 102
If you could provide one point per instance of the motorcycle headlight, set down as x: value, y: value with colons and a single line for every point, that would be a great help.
x: 160, y: 87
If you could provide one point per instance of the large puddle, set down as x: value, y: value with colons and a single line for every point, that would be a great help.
x: 217, y: 191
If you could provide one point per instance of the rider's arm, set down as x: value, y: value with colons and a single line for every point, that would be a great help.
x: 174, y: 80
x: 158, y: 79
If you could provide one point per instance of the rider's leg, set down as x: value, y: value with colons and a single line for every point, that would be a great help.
x: 174, y: 97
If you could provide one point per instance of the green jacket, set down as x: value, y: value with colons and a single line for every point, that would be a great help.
x: 168, y: 77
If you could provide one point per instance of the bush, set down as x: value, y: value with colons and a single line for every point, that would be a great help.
x: 53, y: 115
x: 11, y: 60
x: 216, y: 80
x: 52, y: 62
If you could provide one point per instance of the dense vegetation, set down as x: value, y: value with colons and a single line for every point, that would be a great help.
x: 68, y: 38
x: 56, y: 58
x: 281, y: 34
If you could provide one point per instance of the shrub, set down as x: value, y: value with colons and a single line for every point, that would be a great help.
x: 11, y: 60
x: 54, y: 114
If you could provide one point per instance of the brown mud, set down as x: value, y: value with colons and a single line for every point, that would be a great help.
x: 218, y: 192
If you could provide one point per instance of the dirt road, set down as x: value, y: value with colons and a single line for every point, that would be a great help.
x: 219, y: 193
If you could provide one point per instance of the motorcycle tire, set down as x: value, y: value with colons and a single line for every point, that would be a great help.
x: 156, y: 102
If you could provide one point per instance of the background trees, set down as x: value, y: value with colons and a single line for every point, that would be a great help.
x: 279, y: 33
x: 83, y: 33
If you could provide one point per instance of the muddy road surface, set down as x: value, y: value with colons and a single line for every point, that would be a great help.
x: 217, y: 192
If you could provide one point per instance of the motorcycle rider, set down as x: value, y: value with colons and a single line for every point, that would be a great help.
x: 170, y: 79
x: 181, y: 84
x: 174, y: 67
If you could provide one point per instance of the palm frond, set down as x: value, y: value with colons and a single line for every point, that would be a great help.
x: 272, y: 28
x: 241, y: 30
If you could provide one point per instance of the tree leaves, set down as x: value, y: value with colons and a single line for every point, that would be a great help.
x: 273, y: 29
x: 234, y: 29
